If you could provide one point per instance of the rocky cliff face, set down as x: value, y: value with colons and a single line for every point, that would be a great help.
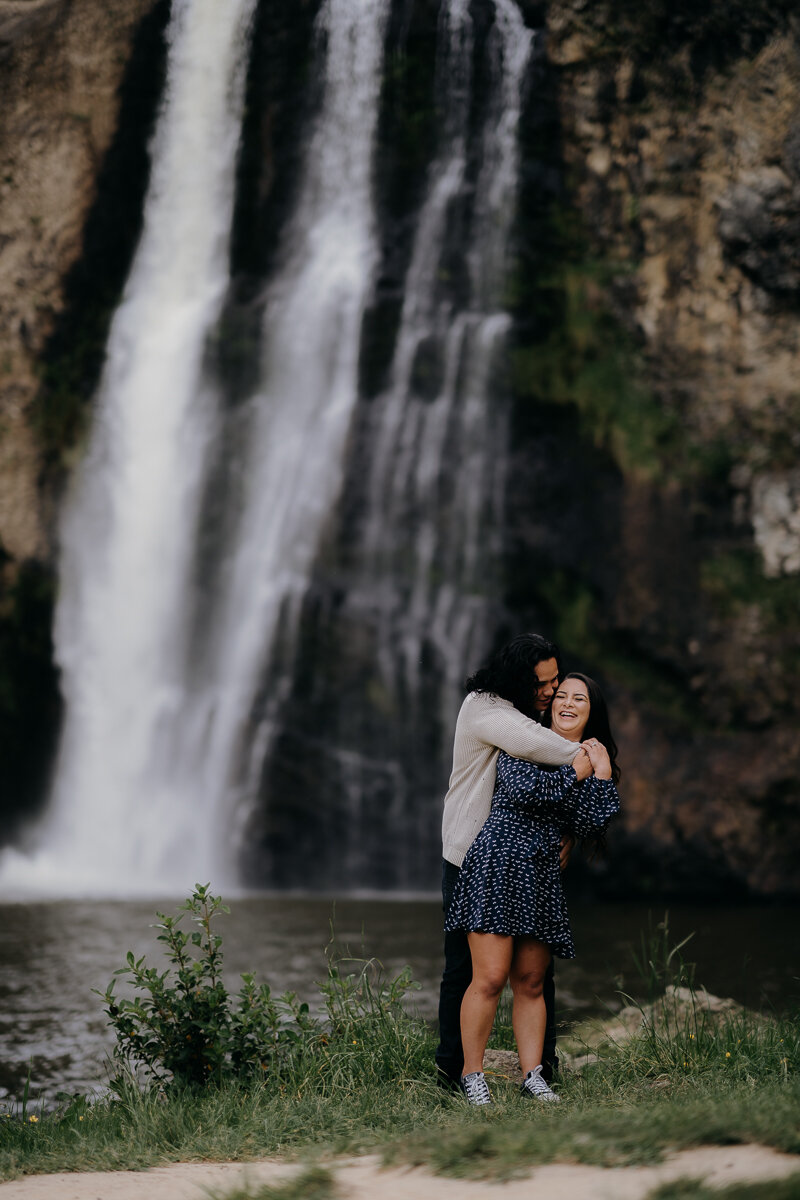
x: 653, y: 506
x: 666, y: 550
x: 67, y: 72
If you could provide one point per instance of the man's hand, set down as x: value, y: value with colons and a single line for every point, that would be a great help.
x: 582, y: 765
x: 567, y: 846
x: 601, y: 763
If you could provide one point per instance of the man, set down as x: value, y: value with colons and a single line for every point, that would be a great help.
x: 504, y: 705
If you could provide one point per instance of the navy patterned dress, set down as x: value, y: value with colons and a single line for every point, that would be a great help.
x: 510, y: 880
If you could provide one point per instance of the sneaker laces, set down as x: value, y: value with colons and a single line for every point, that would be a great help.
x: 534, y: 1085
x: 476, y: 1089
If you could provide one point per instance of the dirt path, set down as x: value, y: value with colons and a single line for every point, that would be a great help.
x: 363, y: 1179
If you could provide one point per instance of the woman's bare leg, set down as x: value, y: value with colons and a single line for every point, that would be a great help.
x: 529, y: 1015
x: 491, y: 961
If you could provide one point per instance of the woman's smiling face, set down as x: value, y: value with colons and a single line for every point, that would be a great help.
x: 570, y: 709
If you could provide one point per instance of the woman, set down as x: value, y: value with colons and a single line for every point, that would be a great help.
x: 509, y: 897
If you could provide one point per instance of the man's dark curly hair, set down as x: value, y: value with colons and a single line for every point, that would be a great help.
x: 511, y: 672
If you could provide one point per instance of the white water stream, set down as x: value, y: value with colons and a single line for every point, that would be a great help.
x: 166, y: 731
x: 453, y: 536
x: 148, y: 765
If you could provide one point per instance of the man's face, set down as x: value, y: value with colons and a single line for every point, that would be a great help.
x: 546, y: 683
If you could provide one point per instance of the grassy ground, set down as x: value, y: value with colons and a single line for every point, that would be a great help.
x: 693, y: 1189
x: 363, y: 1080
x: 738, y: 1084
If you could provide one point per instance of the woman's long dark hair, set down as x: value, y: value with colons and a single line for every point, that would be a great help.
x: 598, y: 725
x: 511, y: 672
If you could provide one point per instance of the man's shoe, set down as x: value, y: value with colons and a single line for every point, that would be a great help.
x: 533, y: 1085
x: 475, y: 1088
x: 450, y: 1083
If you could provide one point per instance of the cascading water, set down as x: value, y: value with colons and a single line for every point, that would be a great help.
x: 179, y: 651
x: 297, y: 424
x: 129, y: 526
x: 414, y: 595
x: 151, y: 753
x: 456, y: 536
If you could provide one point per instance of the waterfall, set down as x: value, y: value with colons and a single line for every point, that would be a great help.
x: 455, y: 535
x: 295, y: 428
x: 129, y: 525
x: 420, y: 561
x: 151, y: 757
x: 178, y: 648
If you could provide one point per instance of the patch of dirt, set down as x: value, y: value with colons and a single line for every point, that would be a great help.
x: 364, y: 1179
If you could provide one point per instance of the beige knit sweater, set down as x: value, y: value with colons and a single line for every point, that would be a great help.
x: 486, y: 724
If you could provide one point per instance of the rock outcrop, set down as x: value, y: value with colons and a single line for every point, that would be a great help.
x: 61, y: 69
x: 681, y: 1013
x: 666, y: 544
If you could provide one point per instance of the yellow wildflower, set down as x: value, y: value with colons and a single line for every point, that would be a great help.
x: 33, y: 1119
x: 727, y: 1053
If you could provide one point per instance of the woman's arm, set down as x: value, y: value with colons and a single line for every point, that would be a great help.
x: 591, y: 806
x: 533, y: 788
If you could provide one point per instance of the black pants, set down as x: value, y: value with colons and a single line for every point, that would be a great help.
x: 456, y: 978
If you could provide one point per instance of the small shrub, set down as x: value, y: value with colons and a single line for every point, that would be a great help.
x: 184, y: 1028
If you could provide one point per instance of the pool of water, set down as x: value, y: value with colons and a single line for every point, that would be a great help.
x: 54, y: 952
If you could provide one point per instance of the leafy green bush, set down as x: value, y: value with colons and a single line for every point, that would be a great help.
x: 184, y: 1027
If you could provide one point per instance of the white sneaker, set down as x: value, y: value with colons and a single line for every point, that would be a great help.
x: 534, y: 1085
x: 475, y: 1088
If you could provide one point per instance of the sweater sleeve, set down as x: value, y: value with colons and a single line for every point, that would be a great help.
x: 498, y: 723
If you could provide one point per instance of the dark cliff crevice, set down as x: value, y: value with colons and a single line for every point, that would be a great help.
x: 408, y: 129
x: 281, y: 97
x: 30, y: 704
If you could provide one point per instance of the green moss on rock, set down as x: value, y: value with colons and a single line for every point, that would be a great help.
x: 734, y: 581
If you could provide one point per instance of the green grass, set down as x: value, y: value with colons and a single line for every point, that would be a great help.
x: 641, y: 1100
x: 316, y: 1183
x: 604, y: 1127
x: 364, y: 1081
x: 695, y: 1189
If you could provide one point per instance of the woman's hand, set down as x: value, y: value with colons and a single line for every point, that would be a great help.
x: 582, y: 765
x: 598, y: 756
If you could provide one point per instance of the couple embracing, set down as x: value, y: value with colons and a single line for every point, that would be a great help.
x: 534, y: 768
